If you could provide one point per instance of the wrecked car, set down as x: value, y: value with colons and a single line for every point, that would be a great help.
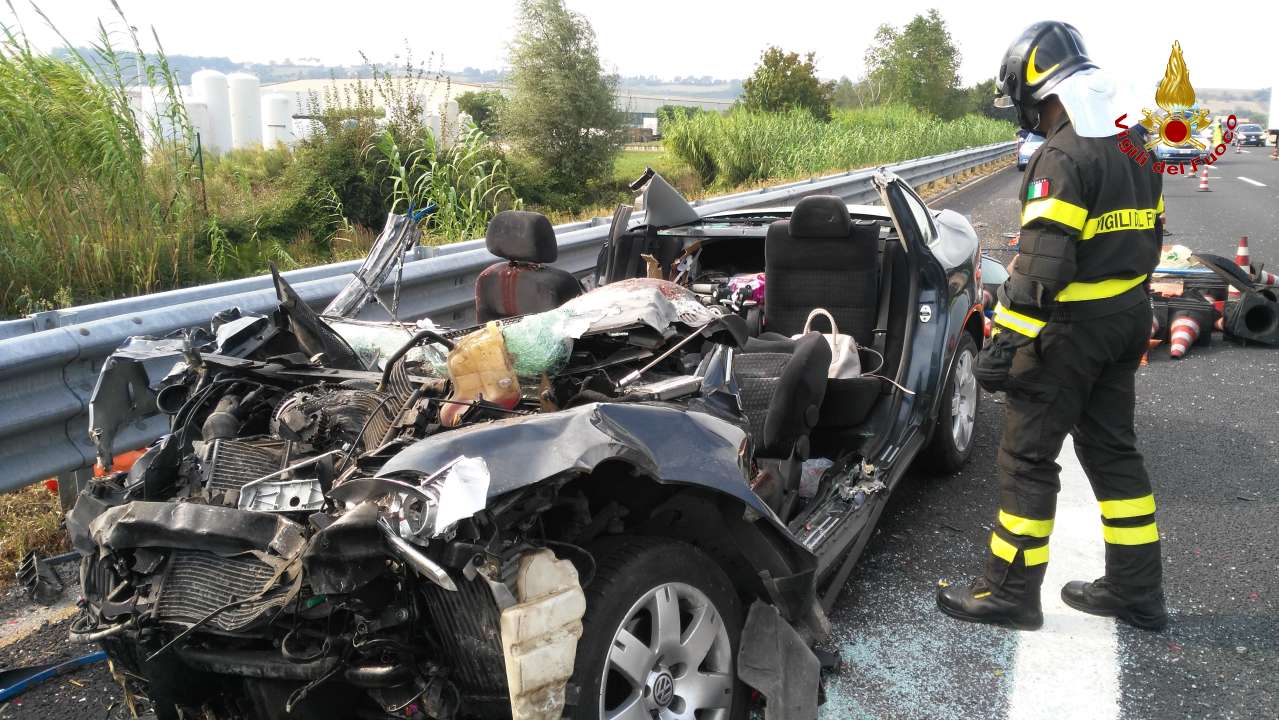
x: 630, y: 502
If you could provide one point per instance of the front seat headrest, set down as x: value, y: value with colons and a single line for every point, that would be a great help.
x: 820, y: 216
x: 522, y: 236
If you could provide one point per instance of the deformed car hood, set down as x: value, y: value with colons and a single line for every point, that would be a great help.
x: 673, y: 444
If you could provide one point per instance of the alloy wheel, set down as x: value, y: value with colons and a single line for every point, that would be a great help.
x: 671, y: 658
x: 963, y: 404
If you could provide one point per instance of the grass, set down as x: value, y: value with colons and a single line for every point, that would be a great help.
x: 30, y: 519
x: 742, y: 147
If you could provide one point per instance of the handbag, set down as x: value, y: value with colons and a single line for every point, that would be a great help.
x: 844, y: 361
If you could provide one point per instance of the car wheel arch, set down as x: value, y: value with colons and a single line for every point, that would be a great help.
x: 762, y: 559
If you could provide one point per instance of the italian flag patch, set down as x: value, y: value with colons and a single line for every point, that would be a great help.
x: 1037, y: 189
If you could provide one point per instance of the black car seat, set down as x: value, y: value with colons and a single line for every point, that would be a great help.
x: 781, y: 384
x: 523, y: 283
x: 821, y: 258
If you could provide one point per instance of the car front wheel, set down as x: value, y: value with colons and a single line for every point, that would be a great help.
x: 660, y: 635
x: 952, y: 441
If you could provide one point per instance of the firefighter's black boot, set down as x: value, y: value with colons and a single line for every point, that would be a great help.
x: 983, y: 603
x: 1139, y: 607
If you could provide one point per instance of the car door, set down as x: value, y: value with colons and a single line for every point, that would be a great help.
x: 925, y: 355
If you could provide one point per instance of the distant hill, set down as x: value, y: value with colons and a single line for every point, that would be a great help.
x: 274, y: 72
x: 1251, y: 104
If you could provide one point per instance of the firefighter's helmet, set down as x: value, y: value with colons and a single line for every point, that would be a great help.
x: 1042, y: 56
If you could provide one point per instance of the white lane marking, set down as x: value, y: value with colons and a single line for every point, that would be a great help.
x: 1251, y: 181
x: 1070, y: 668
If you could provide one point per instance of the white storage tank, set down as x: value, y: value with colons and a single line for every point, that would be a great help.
x: 246, y: 111
x: 210, y: 87
x: 198, y: 117
x: 277, y: 120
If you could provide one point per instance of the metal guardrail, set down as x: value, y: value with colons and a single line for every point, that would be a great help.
x: 49, y: 362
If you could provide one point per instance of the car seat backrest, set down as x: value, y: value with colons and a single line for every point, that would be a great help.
x: 821, y: 258
x: 781, y: 386
x: 522, y: 283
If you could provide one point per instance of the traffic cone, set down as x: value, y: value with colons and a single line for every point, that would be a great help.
x: 1184, y: 333
x: 1261, y: 276
x: 1244, y: 260
x: 1203, y: 181
x: 1219, y: 312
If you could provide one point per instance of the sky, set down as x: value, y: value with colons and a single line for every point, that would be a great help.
x: 669, y: 38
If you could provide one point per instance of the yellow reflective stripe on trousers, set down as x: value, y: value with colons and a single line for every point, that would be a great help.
x: 1068, y: 214
x: 1025, y: 526
x: 1139, y: 535
x: 1035, y: 555
x: 1116, y: 220
x: 1018, y: 322
x: 1003, y: 549
x: 1077, y: 291
x: 1132, y: 507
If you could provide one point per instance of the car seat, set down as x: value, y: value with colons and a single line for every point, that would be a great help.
x: 821, y: 258
x: 781, y: 385
x: 523, y: 283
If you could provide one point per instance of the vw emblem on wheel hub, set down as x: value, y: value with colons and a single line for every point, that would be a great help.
x: 663, y: 689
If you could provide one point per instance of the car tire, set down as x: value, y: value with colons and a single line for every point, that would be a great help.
x: 635, y: 578
x: 952, y: 440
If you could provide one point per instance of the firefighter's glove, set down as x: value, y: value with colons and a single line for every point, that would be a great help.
x: 996, y: 359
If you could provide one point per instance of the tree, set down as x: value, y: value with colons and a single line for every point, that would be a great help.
x: 918, y: 65
x: 484, y: 107
x: 981, y: 100
x: 783, y: 81
x: 562, y: 111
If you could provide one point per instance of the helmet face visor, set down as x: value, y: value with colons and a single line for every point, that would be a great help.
x: 1003, y: 101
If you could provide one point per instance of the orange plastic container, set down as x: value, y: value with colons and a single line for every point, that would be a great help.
x: 480, y: 368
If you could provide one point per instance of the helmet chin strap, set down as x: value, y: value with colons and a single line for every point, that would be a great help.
x: 1028, y: 116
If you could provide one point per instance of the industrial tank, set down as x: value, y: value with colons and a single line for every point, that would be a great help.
x: 198, y: 116
x: 277, y: 120
x: 246, y: 111
x: 210, y: 87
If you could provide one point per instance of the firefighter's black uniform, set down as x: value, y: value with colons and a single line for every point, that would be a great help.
x: 1090, y: 237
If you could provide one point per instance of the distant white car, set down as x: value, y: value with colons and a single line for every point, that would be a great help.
x: 1026, y: 147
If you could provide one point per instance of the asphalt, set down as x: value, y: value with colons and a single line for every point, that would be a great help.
x: 1209, y: 428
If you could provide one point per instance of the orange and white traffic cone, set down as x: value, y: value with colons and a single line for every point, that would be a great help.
x: 1219, y: 312
x: 1243, y: 259
x: 1203, y: 181
x: 1183, y: 334
x: 1261, y: 276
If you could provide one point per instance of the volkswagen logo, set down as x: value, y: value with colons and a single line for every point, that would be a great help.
x: 663, y: 689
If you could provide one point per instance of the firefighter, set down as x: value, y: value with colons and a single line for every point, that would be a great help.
x: 1072, y: 323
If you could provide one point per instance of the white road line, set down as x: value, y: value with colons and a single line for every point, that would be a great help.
x: 1070, y: 668
x: 1251, y: 181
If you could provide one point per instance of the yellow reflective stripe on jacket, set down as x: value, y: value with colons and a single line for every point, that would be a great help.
x: 1116, y: 220
x: 1068, y: 214
x: 1139, y: 535
x: 1002, y: 549
x: 1018, y: 322
x: 1132, y: 507
x: 1077, y: 291
x: 1025, y: 526
x: 1159, y: 209
x: 1035, y: 555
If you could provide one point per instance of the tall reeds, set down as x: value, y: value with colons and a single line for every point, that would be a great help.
x: 739, y: 147
x: 88, y: 213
